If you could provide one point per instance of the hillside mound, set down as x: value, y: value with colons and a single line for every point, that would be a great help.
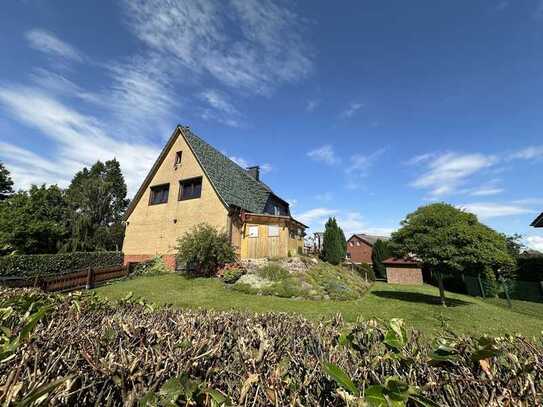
x: 306, y: 278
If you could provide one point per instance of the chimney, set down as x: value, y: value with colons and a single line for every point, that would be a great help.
x: 254, y: 172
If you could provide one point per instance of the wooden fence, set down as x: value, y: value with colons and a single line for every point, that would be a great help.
x: 87, y: 278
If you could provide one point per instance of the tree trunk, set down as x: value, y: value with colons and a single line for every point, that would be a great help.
x: 441, y: 288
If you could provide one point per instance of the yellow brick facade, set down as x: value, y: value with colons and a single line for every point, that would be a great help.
x: 154, y: 229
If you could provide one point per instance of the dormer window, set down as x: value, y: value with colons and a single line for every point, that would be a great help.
x: 178, y: 156
x: 159, y: 194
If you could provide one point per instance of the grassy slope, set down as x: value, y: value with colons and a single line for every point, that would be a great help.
x: 418, y: 305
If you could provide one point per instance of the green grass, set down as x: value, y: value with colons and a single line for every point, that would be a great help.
x: 418, y: 305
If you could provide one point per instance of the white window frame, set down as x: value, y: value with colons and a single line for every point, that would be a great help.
x: 252, y: 231
x: 273, y: 230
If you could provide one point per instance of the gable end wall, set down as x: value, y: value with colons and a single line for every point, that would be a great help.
x: 154, y: 229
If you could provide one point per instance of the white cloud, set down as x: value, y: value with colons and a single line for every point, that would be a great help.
x: 266, y: 168
x: 141, y: 95
x: 535, y: 242
x: 48, y: 43
x: 487, y: 210
x: 351, y: 110
x: 316, y: 215
x: 446, y: 172
x: 359, y: 167
x: 486, y: 191
x: 324, y: 154
x: 528, y: 153
x: 312, y: 105
x: 79, y: 140
x: 240, y: 161
x: 265, y: 51
x: 220, y: 109
x: 350, y: 221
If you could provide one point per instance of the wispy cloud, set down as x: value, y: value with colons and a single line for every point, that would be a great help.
x: 528, y: 153
x: 219, y: 108
x: 351, y: 110
x: 312, y: 105
x: 486, y: 191
x: 446, y: 172
x: 242, y: 162
x: 359, y: 166
x: 255, y: 59
x: 50, y: 44
x: 487, y: 210
x: 325, y: 154
x: 79, y: 141
x: 350, y: 221
x: 315, y: 214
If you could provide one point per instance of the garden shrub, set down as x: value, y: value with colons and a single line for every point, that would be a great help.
x: 54, y: 264
x: 273, y: 272
x: 232, y: 275
x: 204, y: 250
x: 154, y: 266
x: 130, y: 353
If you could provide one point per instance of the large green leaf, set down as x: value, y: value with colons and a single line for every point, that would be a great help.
x: 341, y: 378
x: 396, y: 335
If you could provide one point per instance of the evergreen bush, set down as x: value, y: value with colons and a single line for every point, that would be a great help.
x: 54, y: 264
x: 334, y: 246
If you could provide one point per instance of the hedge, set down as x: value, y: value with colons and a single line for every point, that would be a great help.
x: 131, y: 353
x: 55, y: 264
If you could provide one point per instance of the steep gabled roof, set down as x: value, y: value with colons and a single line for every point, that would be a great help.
x: 232, y: 183
x: 538, y: 222
x: 369, y: 239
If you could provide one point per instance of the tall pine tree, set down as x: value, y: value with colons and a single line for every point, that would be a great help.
x: 381, y: 251
x: 334, y: 246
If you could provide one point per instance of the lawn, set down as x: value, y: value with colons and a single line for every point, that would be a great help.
x: 417, y: 305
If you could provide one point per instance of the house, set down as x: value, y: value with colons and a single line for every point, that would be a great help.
x: 360, y: 247
x: 191, y: 182
x: 538, y: 222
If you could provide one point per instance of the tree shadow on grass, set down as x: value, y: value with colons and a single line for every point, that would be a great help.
x: 419, y: 297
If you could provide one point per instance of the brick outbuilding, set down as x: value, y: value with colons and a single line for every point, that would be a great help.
x: 403, y: 271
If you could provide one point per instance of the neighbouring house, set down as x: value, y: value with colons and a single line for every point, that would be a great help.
x: 360, y: 247
x: 403, y: 271
x: 538, y: 222
x: 192, y: 182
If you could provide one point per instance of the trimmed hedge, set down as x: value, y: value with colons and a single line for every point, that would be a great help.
x: 130, y: 353
x: 55, y: 264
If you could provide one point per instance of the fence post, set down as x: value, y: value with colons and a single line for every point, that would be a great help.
x: 481, y: 285
x: 90, y: 278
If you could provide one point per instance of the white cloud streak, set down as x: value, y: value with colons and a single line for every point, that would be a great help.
x: 325, y: 154
x: 488, y: 210
x: 266, y: 51
x: 446, y: 172
x: 79, y: 140
x: 535, y: 242
x: 48, y: 43
x: 351, y: 110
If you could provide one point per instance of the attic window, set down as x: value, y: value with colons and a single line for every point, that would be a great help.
x: 178, y: 156
x: 190, y: 188
x: 159, y: 194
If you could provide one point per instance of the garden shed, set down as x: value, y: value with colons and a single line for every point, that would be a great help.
x: 403, y: 271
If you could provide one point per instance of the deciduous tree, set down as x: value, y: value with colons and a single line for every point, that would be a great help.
x: 451, y: 241
x: 6, y: 183
x: 32, y: 222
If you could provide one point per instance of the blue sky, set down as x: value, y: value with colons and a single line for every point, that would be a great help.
x: 363, y: 110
